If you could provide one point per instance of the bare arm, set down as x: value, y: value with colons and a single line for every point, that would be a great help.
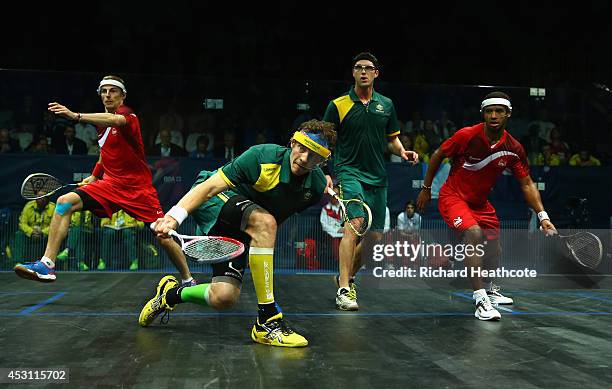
x: 434, y: 164
x: 533, y: 199
x: 97, y: 119
x: 396, y: 147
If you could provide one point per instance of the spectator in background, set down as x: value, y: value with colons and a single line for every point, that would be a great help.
x: 409, y: 222
x: 87, y: 133
x: 547, y: 157
x: 532, y: 143
x: 444, y: 126
x: 201, y: 127
x: 80, y: 231
x: 584, y: 158
x: 545, y: 126
x: 70, y: 144
x: 118, y: 231
x: 166, y: 148
x: 433, y: 139
x: 415, y: 124
x: 34, y: 222
x: 229, y: 150
x: 202, y: 149
x: 25, y: 137
x: 7, y: 144
x: 40, y: 146
x: 173, y: 120
x: 559, y: 146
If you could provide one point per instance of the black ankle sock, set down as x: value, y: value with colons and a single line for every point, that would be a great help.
x: 173, y: 296
x: 266, y: 311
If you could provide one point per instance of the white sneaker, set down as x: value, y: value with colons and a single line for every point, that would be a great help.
x: 498, y: 298
x: 485, y: 311
x: 346, y: 300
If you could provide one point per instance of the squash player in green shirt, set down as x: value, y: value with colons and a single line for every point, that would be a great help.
x: 246, y: 200
x: 367, y: 126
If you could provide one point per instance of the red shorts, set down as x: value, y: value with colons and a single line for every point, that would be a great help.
x: 139, y: 202
x: 459, y: 215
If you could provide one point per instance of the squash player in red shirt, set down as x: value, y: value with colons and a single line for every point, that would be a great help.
x: 479, y: 156
x: 121, y: 179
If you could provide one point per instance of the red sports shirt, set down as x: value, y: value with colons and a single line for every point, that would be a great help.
x: 477, y: 165
x: 122, y: 152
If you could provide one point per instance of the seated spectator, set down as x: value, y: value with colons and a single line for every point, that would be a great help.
x: 445, y: 127
x: 166, y: 148
x: 547, y: 157
x: 40, y: 146
x: 415, y: 124
x: 409, y: 228
x: 7, y: 144
x: 119, y: 232
x: 80, y: 231
x: 25, y: 137
x: 433, y: 139
x: 559, y: 146
x: 87, y: 133
x: 34, y: 222
x: 70, y: 144
x: 584, y: 158
x: 200, y: 128
x: 229, y: 149
x: 532, y: 143
x: 202, y: 150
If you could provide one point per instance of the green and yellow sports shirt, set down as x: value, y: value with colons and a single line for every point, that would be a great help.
x: 263, y: 175
x: 363, y: 134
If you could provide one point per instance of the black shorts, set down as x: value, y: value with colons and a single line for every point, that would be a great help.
x: 89, y: 203
x: 231, y: 223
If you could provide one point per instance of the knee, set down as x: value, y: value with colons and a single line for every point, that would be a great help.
x: 473, y: 235
x: 222, y: 297
x: 263, y: 224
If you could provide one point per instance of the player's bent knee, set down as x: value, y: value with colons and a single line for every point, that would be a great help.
x: 223, y: 296
x: 473, y: 235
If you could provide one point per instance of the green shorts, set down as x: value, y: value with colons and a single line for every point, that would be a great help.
x: 374, y: 196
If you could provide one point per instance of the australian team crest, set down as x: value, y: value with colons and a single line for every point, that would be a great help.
x: 307, y: 195
x: 380, y: 108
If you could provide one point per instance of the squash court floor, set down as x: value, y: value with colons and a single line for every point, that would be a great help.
x: 421, y: 334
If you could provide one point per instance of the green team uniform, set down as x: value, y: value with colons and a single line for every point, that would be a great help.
x: 364, y: 131
x: 263, y: 175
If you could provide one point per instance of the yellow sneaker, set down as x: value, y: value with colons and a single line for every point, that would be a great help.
x: 158, y: 304
x: 276, y: 332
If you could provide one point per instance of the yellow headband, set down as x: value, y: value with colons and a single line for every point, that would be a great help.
x: 311, y: 144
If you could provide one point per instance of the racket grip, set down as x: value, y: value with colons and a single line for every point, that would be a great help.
x: 331, y: 192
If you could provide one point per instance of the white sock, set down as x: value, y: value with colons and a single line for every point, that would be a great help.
x: 187, y: 280
x: 47, y: 261
x: 478, y: 294
x: 487, y: 285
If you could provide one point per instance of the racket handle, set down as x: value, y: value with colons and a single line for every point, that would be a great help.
x: 171, y: 232
x: 331, y: 192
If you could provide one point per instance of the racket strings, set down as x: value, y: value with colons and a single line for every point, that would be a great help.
x: 358, y: 217
x: 37, y: 183
x: 586, y: 249
x: 211, y: 249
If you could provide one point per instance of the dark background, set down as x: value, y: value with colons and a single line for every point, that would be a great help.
x: 494, y: 43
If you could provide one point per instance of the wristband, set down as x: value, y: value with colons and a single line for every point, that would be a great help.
x: 98, y: 170
x: 78, y: 117
x: 423, y: 186
x: 543, y: 216
x: 178, y: 213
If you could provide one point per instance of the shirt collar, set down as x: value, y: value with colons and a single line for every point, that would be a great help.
x: 354, y: 97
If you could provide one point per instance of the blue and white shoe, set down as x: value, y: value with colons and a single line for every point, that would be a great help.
x: 36, y: 271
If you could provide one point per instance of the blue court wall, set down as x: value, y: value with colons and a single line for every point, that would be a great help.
x: 173, y: 177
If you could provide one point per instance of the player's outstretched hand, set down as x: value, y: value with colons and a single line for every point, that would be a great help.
x: 423, y: 200
x: 548, y: 228
x: 62, y: 110
x: 163, y: 226
x: 410, y: 156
